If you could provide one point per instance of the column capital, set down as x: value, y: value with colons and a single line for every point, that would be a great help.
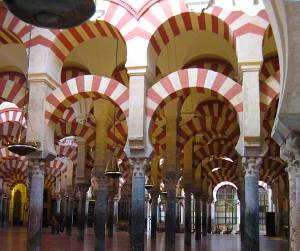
x: 290, y: 150
x: 37, y: 167
x: 98, y: 179
x: 171, y: 179
x: 252, y: 165
x: 139, y: 166
x: 154, y: 193
x: 250, y: 66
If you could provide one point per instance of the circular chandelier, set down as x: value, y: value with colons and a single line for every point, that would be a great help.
x: 57, y: 14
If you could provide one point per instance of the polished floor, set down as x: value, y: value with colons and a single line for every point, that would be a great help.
x: 14, y: 239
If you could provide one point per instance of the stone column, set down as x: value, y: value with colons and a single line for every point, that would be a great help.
x: 1, y: 201
x: 187, y: 218
x: 6, y: 211
x: 209, y: 227
x: 69, y: 211
x: 110, y: 218
x: 36, y: 194
x: 197, y: 197
x: 1, y: 207
x: 170, y: 224
x: 294, y: 197
x: 154, y: 196
x: 290, y: 152
x: 251, y: 235
x: 137, y: 204
x: 204, y: 216
x: 279, y: 216
x: 58, y: 204
x: 100, y: 186
x: 241, y: 195
x: 82, y: 190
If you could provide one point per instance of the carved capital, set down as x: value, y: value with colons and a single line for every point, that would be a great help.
x: 171, y: 179
x: 82, y: 189
x: 139, y: 166
x: 37, y: 167
x: 251, y: 166
x: 290, y: 151
x: 98, y: 179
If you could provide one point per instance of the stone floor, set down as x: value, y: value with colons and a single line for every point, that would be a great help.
x: 14, y: 239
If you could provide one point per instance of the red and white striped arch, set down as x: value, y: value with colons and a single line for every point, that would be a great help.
x: 12, y: 88
x: 62, y: 42
x: 184, y: 82
x: 57, y: 167
x: 270, y: 83
x: 68, y: 73
x: 120, y: 74
x: 65, y: 129
x: 12, y: 29
x: 227, y: 171
x: 213, y: 64
x: 88, y: 86
x: 227, y: 24
x: 14, y: 171
x: 269, y: 68
x: 11, y: 120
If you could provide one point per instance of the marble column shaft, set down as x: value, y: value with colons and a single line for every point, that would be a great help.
x: 154, y: 215
x: 82, y: 190
x: 204, y: 216
x: 251, y: 235
x: 170, y: 223
x: 137, y: 204
x: 1, y: 208
x: 209, y: 226
x: 69, y: 214
x: 100, y: 211
x: 294, y: 202
x: 188, y: 219
x: 110, y: 218
x: 37, y: 175
x: 197, y: 216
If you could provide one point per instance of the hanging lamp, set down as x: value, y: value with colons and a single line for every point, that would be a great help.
x: 57, y: 14
x: 19, y: 147
x: 149, y: 185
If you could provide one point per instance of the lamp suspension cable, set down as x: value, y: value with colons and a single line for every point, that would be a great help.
x: 112, y: 168
x: 19, y: 147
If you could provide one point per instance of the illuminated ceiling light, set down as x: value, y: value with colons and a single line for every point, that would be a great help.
x: 228, y: 159
x: 215, y: 169
x: 161, y: 162
x: 60, y: 14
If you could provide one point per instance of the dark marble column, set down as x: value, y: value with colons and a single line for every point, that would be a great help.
x: 209, y: 227
x: 110, y: 218
x: 137, y: 204
x: 170, y: 228
x: 5, y: 211
x: 197, y: 197
x: 154, y: 196
x: 1, y: 208
x: 242, y: 210
x: 82, y: 190
x: 204, y: 216
x: 251, y: 235
x: 69, y: 213
x: 187, y: 218
x: 36, y: 194
x: 100, y: 186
